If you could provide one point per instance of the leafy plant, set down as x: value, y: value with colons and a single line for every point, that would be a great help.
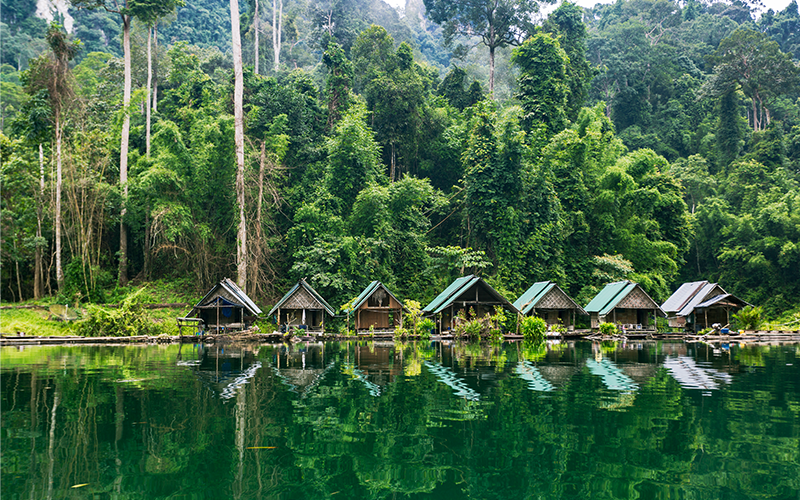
x: 533, y: 328
x: 424, y: 328
x: 130, y: 319
x: 749, y: 318
x: 608, y: 329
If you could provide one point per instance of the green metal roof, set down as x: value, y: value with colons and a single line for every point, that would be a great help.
x: 450, y: 290
x: 608, y: 297
x: 457, y: 288
x: 533, y: 295
x: 302, y: 283
x: 621, y: 295
x: 369, y: 291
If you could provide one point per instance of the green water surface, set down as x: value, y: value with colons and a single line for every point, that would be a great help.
x: 417, y: 420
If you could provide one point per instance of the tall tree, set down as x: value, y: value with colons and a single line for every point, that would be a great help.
x: 123, y: 8
x: 52, y: 72
x: 566, y: 23
x: 149, y: 12
x: 753, y: 62
x: 338, y: 82
x: 498, y: 23
x: 238, y: 116
x: 277, y: 28
x: 542, y: 82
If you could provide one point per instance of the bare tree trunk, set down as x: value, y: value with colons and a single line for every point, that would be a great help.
x: 391, y: 169
x: 123, y: 151
x: 238, y: 113
x: 149, y: 85
x: 491, y: 70
x: 277, y: 27
x: 37, y: 266
x: 59, y: 268
x: 155, y: 69
x: 255, y: 268
x: 255, y: 29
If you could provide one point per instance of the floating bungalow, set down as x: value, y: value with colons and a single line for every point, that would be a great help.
x: 302, y: 306
x: 548, y: 301
x: 377, y: 307
x: 465, y: 293
x: 224, y: 308
x: 625, y: 304
x: 700, y: 304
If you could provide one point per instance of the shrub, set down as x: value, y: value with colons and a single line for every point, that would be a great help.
x: 749, y: 318
x: 424, y: 328
x: 533, y: 328
x: 400, y: 333
x: 608, y: 329
x: 129, y: 319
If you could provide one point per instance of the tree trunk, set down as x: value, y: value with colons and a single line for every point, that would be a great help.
x: 491, y: 70
x: 149, y: 85
x: 37, y: 266
x: 257, y: 254
x: 59, y: 268
x: 148, y: 252
x: 277, y: 27
x: 155, y: 69
x: 255, y: 29
x: 238, y: 113
x: 391, y: 168
x: 123, y: 151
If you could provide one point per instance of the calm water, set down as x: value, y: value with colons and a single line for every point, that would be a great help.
x: 364, y: 420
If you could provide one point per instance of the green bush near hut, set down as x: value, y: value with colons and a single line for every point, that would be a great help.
x: 749, y: 318
x: 533, y: 328
x: 608, y: 329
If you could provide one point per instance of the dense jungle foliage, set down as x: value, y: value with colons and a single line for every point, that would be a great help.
x: 651, y: 140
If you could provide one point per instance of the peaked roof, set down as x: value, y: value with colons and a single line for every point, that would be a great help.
x: 305, y: 286
x: 528, y: 300
x: 725, y: 297
x: 613, y: 293
x: 457, y: 288
x: 236, y: 297
x: 367, y: 293
x: 697, y: 294
x: 682, y: 296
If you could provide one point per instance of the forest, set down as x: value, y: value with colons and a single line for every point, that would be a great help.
x: 650, y: 140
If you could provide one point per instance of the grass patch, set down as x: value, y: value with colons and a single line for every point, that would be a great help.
x: 33, y: 322
x: 37, y: 321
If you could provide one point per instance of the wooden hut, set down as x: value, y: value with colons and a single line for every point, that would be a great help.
x: 548, y: 301
x: 465, y: 293
x: 302, y: 306
x: 377, y: 307
x: 700, y: 304
x: 224, y: 308
x: 625, y: 304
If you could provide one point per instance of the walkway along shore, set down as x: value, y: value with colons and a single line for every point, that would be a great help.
x: 277, y: 338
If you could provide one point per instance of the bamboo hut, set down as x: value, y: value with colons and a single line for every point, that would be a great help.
x: 468, y: 293
x: 625, y: 304
x: 377, y: 307
x: 301, y: 307
x: 700, y: 304
x: 224, y: 308
x: 548, y: 301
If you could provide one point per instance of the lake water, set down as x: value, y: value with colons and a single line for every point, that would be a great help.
x: 416, y: 420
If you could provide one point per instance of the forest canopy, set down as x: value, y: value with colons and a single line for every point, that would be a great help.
x: 650, y: 140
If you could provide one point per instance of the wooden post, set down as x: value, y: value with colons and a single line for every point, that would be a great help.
x: 217, y: 315
x: 705, y: 313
